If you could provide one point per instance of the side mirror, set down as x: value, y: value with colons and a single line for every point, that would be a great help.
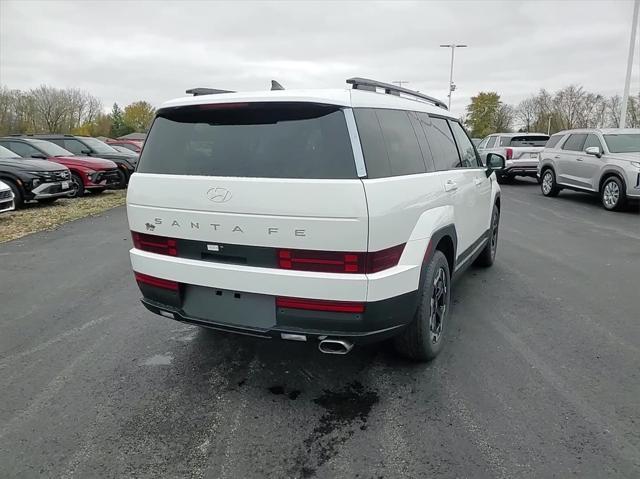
x: 593, y: 150
x: 495, y: 162
x: 85, y: 152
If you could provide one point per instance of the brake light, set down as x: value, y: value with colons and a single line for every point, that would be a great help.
x: 339, y: 262
x: 509, y: 153
x: 157, y: 282
x: 222, y: 106
x: 319, y: 305
x: 155, y: 244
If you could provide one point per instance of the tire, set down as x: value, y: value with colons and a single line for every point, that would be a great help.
x: 18, y: 198
x: 123, y: 179
x: 47, y: 201
x: 423, y: 338
x: 78, y: 186
x: 488, y: 254
x: 612, y: 194
x: 548, y: 184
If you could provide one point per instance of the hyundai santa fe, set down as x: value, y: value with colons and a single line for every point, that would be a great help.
x: 335, y: 217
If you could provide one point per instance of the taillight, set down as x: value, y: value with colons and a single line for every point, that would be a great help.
x: 155, y: 244
x: 509, y: 153
x: 319, y: 305
x: 339, y: 262
x: 157, y: 282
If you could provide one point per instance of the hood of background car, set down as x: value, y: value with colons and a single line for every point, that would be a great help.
x: 85, y: 161
x: 625, y: 156
x: 25, y: 164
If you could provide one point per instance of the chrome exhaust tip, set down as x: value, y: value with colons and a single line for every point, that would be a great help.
x: 335, y: 346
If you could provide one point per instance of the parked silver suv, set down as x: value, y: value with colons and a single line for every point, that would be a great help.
x: 520, y: 150
x: 600, y: 161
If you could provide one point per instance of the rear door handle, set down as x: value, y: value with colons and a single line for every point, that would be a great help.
x: 557, y: 156
x: 579, y: 159
x: 450, y: 185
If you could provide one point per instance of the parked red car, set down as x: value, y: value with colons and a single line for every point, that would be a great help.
x: 133, y: 145
x: 90, y: 174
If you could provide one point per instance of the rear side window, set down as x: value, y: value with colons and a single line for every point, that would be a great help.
x: 492, y: 141
x: 443, y: 146
x: 529, y: 140
x: 467, y: 151
x: 553, y: 141
x: 405, y: 156
x: 261, y: 140
x: 575, y: 142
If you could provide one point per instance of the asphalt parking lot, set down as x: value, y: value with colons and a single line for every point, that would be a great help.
x: 539, y: 378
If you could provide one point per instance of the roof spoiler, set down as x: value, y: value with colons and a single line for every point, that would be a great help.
x: 373, y: 85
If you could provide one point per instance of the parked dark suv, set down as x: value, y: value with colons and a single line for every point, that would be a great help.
x: 32, y: 179
x: 87, y: 174
x: 85, y: 145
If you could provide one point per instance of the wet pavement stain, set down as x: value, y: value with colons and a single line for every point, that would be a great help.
x: 345, y: 411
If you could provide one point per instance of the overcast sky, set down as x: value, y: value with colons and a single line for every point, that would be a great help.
x: 154, y: 50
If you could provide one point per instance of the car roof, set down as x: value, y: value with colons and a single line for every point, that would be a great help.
x: 341, y: 97
x: 604, y: 131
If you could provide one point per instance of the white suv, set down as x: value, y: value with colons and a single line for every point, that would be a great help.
x: 336, y: 216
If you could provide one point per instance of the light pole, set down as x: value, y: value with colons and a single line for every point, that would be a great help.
x: 627, y: 81
x: 452, y: 86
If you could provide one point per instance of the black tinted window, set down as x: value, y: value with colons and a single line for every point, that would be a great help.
x: 443, y: 147
x: 553, y: 141
x: 264, y: 140
x: 465, y: 147
x: 575, y: 142
x: 74, y: 146
x: 22, y: 149
x: 373, y: 147
x: 420, y: 121
x: 404, y: 152
x: 592, y: 140
x: 529, y: 140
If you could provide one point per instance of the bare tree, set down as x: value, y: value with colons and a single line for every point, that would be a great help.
x: 526, y: 112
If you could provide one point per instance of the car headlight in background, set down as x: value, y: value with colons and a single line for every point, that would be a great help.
x: 35, y: 182
x: 91, y: 174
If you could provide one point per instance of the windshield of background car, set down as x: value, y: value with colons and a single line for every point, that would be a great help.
x: 98, y: 147
x: 7, y: 153
x: 50, y: 149
x: 263, y: 140
x: 623, y: 143
x: 527, y: 140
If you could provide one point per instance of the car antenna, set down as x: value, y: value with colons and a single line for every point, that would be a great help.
x: 276, y: 86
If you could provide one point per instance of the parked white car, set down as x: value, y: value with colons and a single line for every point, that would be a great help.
x: 604, y: 162
x: 6, y: 198
x: 328, y: 216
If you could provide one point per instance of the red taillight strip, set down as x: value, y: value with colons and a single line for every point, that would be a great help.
x: 157, y: 282
x: 155, y: 244
x: 319, y: 305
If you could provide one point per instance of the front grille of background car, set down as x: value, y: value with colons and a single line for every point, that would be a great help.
x: 5, y: 194
x: 112, y: 176
x: 60, y: 175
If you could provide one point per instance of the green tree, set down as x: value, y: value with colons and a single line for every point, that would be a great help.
x: 118, y: 127
x: 138, y: 115
x: 486, y: 114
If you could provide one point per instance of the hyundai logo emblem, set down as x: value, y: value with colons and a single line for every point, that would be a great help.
x: 219, y: 195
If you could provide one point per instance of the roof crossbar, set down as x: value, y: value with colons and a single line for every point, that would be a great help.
x: 372, y: 85
x: 206, y: 91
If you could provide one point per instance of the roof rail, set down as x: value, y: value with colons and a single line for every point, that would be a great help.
x: 206, y: 91
x: 372, y: 85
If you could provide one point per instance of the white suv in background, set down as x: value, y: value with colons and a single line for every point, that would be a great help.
x: 333, y: 216
x: 599, y: 161
x: 520, y: 151
x: 6, y: 198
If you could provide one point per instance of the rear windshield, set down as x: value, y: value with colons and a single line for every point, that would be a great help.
x: 528, y: 140
x: 624, y: 143
x: 263, y: 140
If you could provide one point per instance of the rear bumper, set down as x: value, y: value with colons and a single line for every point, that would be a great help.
x: 520, y: 170
x: 381, y: 320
